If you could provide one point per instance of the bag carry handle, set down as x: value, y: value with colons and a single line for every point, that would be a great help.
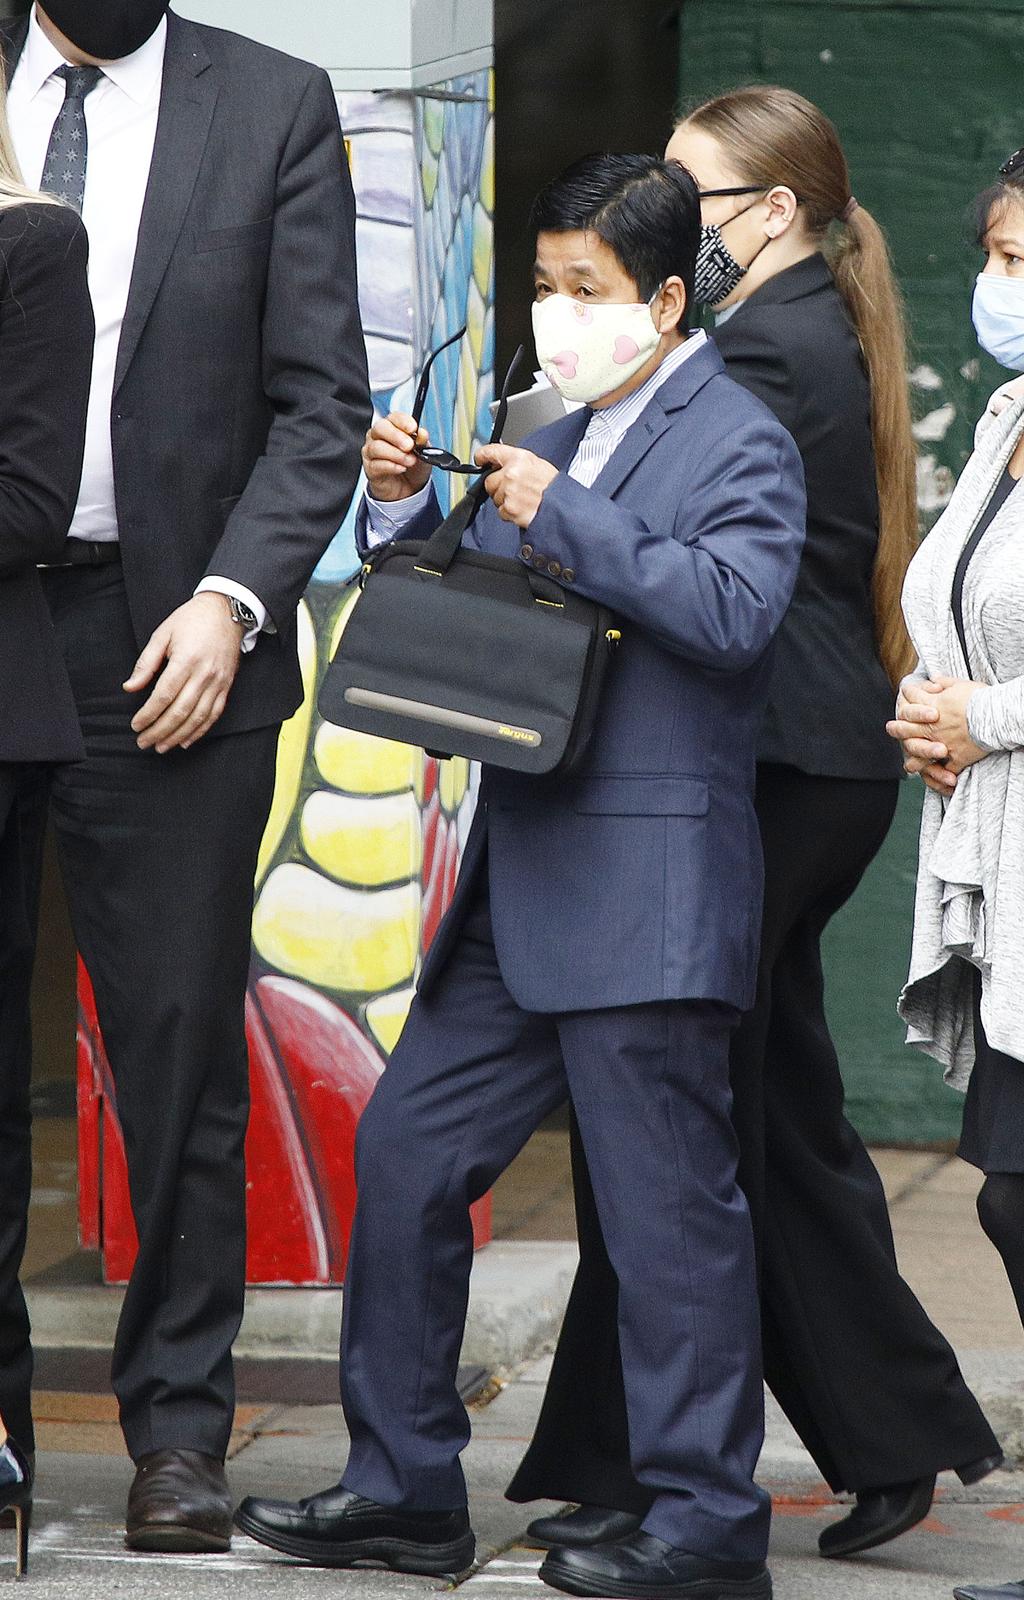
x: 437, y: 555
x: 439, y: 551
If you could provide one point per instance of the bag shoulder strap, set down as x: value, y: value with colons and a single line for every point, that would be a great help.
x: 439, y: 550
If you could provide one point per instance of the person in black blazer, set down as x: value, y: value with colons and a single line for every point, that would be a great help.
x: 46, y: 337
x: 230, y: 397
x: 869, y: 1383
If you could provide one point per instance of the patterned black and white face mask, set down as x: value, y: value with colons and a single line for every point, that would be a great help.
x: 718, y: 271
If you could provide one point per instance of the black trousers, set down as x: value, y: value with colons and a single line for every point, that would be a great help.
x: 868, y: 1382
x: 22, y: 789
x: 158, y: 856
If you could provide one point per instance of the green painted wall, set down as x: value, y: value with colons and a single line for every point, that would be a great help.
x: 927, y: 100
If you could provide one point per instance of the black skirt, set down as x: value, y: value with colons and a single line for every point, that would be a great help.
x: 993, y: 1130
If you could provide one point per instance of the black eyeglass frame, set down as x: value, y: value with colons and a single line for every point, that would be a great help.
x: 744, y: 188
x: 436, y: 455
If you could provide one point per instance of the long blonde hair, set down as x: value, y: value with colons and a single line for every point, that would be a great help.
x: 14, y: 191
x: 773, y: 136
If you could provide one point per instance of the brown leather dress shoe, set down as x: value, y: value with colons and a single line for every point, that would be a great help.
x: 179, y: 1503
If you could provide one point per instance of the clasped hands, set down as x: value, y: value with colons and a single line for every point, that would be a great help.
x: 931, y: 725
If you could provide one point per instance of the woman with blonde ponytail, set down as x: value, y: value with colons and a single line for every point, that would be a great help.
x: 808, y: 317
x: 46, y: 343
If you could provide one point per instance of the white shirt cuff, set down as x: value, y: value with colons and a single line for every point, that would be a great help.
x: 385, y: 518
x: 245, y: 597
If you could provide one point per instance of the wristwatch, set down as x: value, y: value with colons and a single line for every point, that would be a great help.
x: 242, y: 614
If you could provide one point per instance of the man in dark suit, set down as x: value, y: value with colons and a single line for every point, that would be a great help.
x: 603, y: 937
x: 229, y: 398
x: 46, y: 338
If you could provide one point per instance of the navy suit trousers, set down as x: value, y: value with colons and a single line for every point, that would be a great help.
x: 470, y: 1080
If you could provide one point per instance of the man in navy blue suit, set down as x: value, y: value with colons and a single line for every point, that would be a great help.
x: 603, y: 938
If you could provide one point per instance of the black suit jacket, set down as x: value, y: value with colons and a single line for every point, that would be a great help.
x: 46, y: 339
x: 241, y: 395
x: 792, y: 344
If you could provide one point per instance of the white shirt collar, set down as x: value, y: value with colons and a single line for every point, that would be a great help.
x: 138, y: 75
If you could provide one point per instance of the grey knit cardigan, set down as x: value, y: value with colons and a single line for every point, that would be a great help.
x: 969, y: 909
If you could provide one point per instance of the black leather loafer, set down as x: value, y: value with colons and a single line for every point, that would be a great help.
x: 179, y: 1503
x: 339, y: 1528
x: 582, y: 1528
x: 985, y: 1591
x: 647, y: 1568
x: 878, y: 1516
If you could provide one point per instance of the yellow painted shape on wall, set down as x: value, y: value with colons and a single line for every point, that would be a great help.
x: 344, y: 612
x: 433, y: 124
x: 454, y: 781
x: 291, y: 749
x: 483, y: 249
x: 386, y: 1017
x: 334, y: 937
x: 476, y: 321
x: 487, y: 170
x: 362, y: 764
x: 365, y: 842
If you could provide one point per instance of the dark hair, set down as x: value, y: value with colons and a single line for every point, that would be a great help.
x: 646, y: 210
x: 1008, y: 189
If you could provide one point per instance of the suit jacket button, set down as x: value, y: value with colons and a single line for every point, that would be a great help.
x: 526, y: 551
x: 569, y: 574
x: 539, y: 562
x: 555, y: 568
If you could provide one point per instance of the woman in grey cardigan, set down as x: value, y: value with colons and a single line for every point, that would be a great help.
x: 960, y: 719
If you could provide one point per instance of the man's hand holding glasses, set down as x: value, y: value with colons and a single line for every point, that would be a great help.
x: 393, y: 471
x: 516, y: 480
x: 398, y: 456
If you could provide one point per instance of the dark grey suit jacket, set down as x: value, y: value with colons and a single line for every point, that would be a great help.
x: 241, y: 394
x: 46, y: 339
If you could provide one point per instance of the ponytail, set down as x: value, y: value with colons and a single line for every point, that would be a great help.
x: 773, y: 136
x: 860, y: 260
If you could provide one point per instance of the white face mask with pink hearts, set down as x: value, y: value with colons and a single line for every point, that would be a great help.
x: 586, y: 350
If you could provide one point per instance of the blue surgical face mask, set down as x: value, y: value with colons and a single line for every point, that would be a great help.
x: 998, y: 314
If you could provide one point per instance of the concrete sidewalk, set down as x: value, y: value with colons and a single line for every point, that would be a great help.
x: 290, y: 1450
x: 77, y: 1552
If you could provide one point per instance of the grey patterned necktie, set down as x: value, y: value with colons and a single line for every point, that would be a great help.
x: 64, y: 171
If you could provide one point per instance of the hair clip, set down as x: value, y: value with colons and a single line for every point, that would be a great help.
x: 1012, y: 165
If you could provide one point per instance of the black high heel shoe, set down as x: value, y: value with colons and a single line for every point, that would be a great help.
x: 16, y: 1495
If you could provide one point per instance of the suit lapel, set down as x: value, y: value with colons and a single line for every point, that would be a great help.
x: 677, y: 391
x: 187, y: 100
x: 12, y: 40
x: 649, y: 425
x: 559, y: 441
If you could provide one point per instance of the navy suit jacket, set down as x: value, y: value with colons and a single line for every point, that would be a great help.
x: 640, y: 878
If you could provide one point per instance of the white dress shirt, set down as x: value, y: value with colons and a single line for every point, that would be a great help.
x: 121, y: 117
x: 605, y: 432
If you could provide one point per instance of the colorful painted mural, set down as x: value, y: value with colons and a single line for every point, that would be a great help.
x: 364, y: 839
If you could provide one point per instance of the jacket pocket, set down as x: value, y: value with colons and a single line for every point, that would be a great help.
x: 658, y: 795
x: 246, y: 235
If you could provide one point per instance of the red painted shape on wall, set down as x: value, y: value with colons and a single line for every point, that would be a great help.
x: 312, y: 1072
x: 331, y: 1070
